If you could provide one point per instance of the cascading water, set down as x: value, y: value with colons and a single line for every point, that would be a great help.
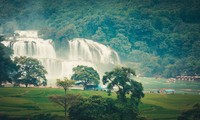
x: 88, y: 50
x: 81, y: 52
x: 27, y: 43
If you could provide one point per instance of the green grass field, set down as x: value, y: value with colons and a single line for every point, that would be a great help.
x: 17, y: 102
x: 183, y: 87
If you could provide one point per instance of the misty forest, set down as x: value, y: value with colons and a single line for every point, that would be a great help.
x: 99, y: 59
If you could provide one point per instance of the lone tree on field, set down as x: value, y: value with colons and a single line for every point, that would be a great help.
x: 121, y: 78
x: 65, y: 84
x: 62, y: 100
x: 31, y: 71
x: 65, y: 101
x: 86, y: 75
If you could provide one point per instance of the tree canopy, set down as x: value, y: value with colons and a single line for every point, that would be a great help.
x: 7, y: 68
x: 86, y: 75
x: 31, y: 71
x: 166, y: 31
x: 99, y: 108
x: 122, y: 79
x: 65, y: 84
x: 191, y: 114
x: 65, y: 101
x: 94, y: 108
x: 71, y: 99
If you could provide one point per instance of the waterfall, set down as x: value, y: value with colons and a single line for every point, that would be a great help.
x: 27, y: 43
x: 88, y: 50
x: 81, y: 52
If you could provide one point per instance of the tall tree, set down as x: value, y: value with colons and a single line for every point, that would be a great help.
x: 121, y: 78
x: 7, y: 67
x: 65, y: 84
x: 31, y: 70
x: 86, y: 75
x: 65, y: 101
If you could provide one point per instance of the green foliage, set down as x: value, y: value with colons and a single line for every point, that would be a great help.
x: 65, y: 84
x: 93, y: 108
x: 44, y: 116
x: 192, y: 114
x: 149, y: 63
x: 120, y: 43
x: 98, y: 108
x: 121, y: 78
x: 4, y: 117
x: 158, y: 28
x: 31, y: 71
x: 7, y: 67
x: 65, y: 101
x: 67, y: 33
x: 127, y: 112
x: 99, y: 35
x: 87, y: 75
x: 26, y: 102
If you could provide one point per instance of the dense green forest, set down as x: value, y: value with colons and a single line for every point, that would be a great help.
x: 156, y: 37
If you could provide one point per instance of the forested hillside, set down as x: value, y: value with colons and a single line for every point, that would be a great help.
x: 157, y: 37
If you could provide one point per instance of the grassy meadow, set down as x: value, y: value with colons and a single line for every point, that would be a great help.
x: 24, y: 102
x: 17, y: 102
x: 182, y: 87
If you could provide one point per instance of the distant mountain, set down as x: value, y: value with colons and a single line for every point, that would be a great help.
x: 157, y: 37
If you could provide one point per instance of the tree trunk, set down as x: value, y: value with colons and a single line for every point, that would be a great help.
x: 84, y: 86
x: 122, y: 96
x: 26, y: 85
x: 65, y: 105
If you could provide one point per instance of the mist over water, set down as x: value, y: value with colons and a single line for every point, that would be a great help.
x: 88, y: 50
x: 80, y: 52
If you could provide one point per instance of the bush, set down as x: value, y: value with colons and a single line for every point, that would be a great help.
x: 98, y: 108
x: 191, y: 114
